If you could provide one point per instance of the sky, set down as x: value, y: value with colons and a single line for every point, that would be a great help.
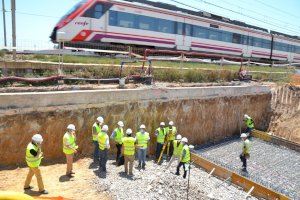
x: 35, y: 19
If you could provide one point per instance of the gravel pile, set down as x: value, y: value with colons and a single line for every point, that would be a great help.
x: 271, y: 165
x: 158, y: 183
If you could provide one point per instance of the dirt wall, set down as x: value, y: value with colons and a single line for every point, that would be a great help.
x: 199, y: 119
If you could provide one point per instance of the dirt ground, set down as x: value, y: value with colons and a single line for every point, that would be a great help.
x: 57, y: 184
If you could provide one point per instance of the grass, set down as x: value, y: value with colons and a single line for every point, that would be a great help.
x: 171, y: 64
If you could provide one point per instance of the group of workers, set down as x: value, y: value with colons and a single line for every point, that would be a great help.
x: 167, y: 139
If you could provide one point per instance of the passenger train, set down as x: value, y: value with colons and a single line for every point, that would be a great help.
x: 163, y: 26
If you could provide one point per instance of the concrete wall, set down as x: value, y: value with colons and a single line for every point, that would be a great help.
x: 202, y: 114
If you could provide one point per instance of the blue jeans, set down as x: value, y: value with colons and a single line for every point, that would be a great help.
x: 142, y: 156
x: 96, y: 151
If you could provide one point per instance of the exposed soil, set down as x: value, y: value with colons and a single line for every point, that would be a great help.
x: 79, y: 187
x: 285, y: 117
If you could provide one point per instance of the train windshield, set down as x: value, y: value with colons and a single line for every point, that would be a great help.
x: 74, y: 8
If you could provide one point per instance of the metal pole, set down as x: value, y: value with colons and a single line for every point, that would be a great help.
x: 13, y: 18
x: 4, y: 23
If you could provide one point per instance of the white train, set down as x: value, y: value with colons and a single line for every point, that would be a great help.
x: 163, y: 26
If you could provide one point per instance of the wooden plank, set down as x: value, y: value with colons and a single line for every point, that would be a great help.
x: 259, y: 191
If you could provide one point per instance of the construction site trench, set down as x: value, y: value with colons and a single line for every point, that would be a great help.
x: 205, y: 115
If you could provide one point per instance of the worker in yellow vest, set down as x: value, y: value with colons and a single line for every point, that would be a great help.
x: 70, y: 148
x: 33, y: 158
x: 142, y: 138
x: 249, y: 125
x: 117, y: 136
x: 160, y: 134
x: 245, y: 155
x: 103, y: 141
x: 171, y: 132
x: 128, y: 151
x: 95, y: 131
x: 185, y: 157
x: 178, y: 146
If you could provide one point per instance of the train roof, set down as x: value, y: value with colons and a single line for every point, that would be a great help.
x: 208, y: 15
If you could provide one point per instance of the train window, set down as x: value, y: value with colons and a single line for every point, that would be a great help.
x: 113, y: 18
x: 96, y: 11
x: 165, y: 26
x: 297, y: 49
x: 147, y: 23
x: 257, y: 42
x: 213, y: 35
x: 236, y: 38
x: 226, y: 36
x: 266, y: 44
x: 188, y: 30
x: 244, y: 40
x: 126, y: 20
x: 179, y: 28
x: 200, y: 32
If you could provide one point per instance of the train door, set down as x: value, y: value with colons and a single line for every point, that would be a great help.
x: 179, y: 36
x: 246, y: 45
x: 187, y: 38
x: 183, y: 36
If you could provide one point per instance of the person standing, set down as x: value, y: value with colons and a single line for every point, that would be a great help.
x: 249, y: 124
x: 178, y: 146
x: 185, y: 158
x: 128, y: 151
x: 160, y: 139
x: 33, y: 158
x: 103, y: 141
x: 95, y: 131
x: 70, y: 148
x: 117, y: 135
x: 171, y: 131
x: 142, y: 138
x: 245, y: 155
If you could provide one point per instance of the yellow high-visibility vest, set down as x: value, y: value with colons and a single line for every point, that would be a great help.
x: 128, y: 144
x: 32, y: 161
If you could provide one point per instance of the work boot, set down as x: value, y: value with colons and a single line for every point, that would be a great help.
x: 28, y: 188
x: 143, y: 166
x: 177, y: 173
x: 44, y: 192
x: 139, y: 166
x: 244, y: 169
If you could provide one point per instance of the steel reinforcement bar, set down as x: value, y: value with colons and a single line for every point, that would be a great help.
x: 248, y: 185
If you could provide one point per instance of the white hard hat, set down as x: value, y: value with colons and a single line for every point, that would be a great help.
x: 37, y: 138
x: 171, y: 123
x: 246, y: 116
x: 243, y: 135
x: 71, y: 127
x: 105, y: 128
x: 128, y: 131
x: 100, y: 119
x: 178, y: 137
x: 142, y: 126
x: 184, y: 139
x: 162, y: 123
x: 191, y: 146
x: 120, y: 123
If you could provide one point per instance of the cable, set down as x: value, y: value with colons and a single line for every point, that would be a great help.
x: 32, y: 14
x: 282, y: 11
x: 285, y: 23
x: 233, y: 11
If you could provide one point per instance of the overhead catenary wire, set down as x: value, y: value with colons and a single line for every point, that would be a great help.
x: 248, y: 16
x: 263, y: 15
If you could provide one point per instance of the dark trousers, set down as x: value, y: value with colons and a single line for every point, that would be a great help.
x: 171, y: 149
x: 244, y: 160
x: 184, y: 167
x: 96, y: 151
x: 159, y: 147
x: 119, y: 148
x: 249, y: 131
x: 102, y: 159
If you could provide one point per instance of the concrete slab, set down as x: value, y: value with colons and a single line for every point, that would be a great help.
x: 270, y: 165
